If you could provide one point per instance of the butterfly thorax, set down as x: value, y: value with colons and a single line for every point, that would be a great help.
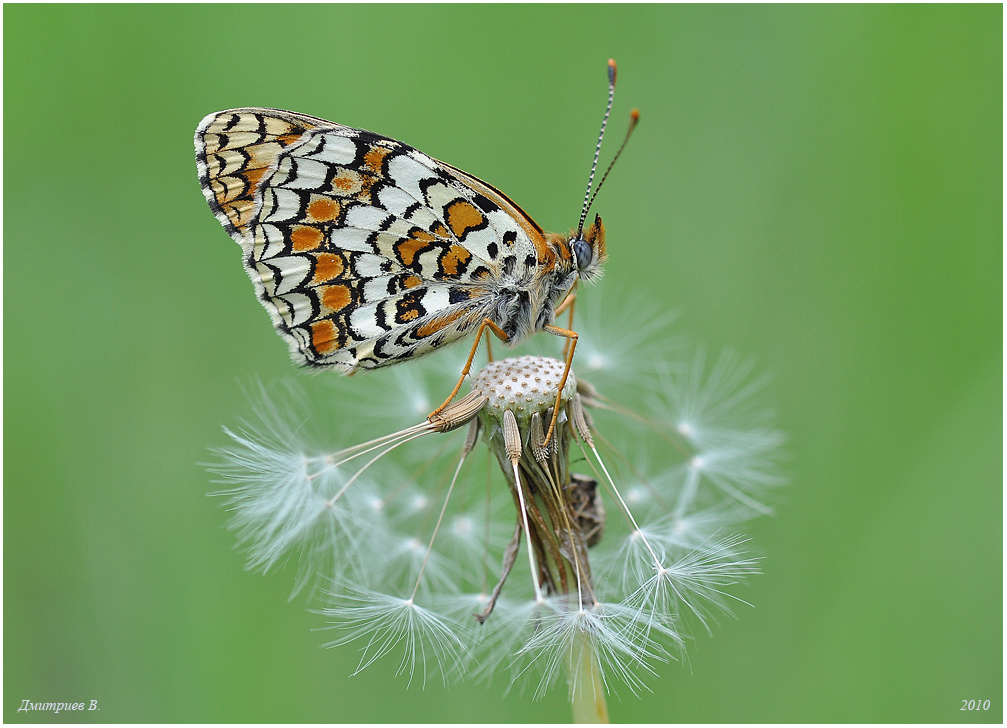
x: 527, y: 306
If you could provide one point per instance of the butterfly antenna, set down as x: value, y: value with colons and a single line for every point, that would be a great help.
x: 634, y: 118
x: 597, y: 149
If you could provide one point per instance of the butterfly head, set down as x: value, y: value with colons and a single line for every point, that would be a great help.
x: 576, y: 256
x: 587, y: 250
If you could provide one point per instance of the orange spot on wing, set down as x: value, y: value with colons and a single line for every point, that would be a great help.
x: 325, y: 337
x: 462, y: 216
x: 409, y: 248
x: 323, y: 209
x: 286, y: 139
x: 252, y: 178
x: 375, y: 157
x: 366, y: 183
x: 441, y: 231
x: 305, y: 237
x: 347, y: 182
x: 432, y: 327
x: 328, y: 266
x: 412, y: 282
x: 454, y: 259
x: 467, y: 293
x: 336, y: 298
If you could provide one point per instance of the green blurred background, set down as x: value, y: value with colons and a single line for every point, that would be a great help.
x: 817, y: 187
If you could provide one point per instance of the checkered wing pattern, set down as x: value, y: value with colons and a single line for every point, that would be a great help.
x: 364, y: 250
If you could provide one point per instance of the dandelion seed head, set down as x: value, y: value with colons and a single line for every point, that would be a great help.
x: 524, y: 385
x: 414, y: 536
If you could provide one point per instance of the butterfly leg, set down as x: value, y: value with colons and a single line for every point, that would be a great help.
x: 571, y: 337
x: 568, y: 303
x: 489, y: 346
x: 500, y: 334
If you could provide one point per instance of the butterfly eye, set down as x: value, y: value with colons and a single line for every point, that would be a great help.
x: 582, y: 251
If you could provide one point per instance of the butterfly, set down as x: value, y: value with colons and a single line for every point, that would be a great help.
x: 367, y: 252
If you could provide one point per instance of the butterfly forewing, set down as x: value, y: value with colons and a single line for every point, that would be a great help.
x: 363, y: 250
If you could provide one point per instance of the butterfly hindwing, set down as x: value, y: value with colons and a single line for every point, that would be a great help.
x: 363, y: 250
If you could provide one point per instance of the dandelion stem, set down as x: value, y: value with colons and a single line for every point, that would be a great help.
x: 587, y: 694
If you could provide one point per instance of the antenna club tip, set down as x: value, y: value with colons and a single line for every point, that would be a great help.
x: 634, y: 115
x: 611, y: 70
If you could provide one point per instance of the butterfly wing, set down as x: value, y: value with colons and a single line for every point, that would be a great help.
x: 364, y: 250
